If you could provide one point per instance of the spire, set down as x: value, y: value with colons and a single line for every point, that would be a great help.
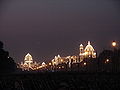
x: 88, y: 42
x: 28, y: 54
x: 81, y: 45
x: 58, y: 56
x: 89, y: 47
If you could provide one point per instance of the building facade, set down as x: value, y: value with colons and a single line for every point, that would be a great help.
x: 28, y: 63
x: 87, y: 52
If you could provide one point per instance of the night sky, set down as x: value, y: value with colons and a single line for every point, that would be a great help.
x: 45, y: 28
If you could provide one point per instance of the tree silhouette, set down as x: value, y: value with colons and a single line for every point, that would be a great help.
x: 106, y: 54
x: 7, y: 64
x: 114, y: 60
x: 1, y: 45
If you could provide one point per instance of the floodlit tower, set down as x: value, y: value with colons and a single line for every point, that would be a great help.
x: 81, y: 52
x: 28, y: 63
x: 28, y: 60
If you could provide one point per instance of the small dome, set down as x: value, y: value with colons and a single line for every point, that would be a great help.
x: 81, y: 46
x: 89, y: 47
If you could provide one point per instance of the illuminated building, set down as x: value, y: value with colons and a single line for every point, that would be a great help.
x: 57, y: 60
x: 88, y: 52
x: 28, y: 63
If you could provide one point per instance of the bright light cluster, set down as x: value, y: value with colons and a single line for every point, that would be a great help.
x: 87, y: 52
x: 28, y: 63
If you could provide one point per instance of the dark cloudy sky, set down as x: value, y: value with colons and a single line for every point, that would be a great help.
x: 46, y: 28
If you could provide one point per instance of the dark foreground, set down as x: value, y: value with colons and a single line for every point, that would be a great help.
x: 60, y: 81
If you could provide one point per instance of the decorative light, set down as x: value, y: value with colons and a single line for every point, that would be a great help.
x: 50, y: 64
x: 59, y: 67
x: 61, y: 60
x: 43, y: 64
x: 62, y: 66
x: 86, y: 53
x: 58, y: 56
x: 107, y: 61
x: 84, y: 63
x: 68, y: 57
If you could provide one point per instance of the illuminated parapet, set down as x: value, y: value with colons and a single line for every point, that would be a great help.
x: 57, y: 60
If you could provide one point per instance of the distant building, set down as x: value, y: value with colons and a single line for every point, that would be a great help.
x: 28, y: 63
x: 88, y: 52
x: 61, y: 62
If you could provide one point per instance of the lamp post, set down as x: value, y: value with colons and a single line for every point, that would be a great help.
x: 115, y: 57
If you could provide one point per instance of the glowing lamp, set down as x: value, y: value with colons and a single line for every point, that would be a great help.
x: 61, y: 60
x: 50, y: 64
x: 85, y: 63
x: 114, y: 44
x: 107, y: 61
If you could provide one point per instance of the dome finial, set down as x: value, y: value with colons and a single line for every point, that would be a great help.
x: 88, y: 42
x: 81, y: 45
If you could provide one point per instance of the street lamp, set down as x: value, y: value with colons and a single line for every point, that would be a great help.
x: 114, y: 44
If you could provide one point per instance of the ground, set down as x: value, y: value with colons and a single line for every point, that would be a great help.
x: 60, y: 81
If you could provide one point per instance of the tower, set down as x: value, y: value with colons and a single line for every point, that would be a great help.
x: 28, y: 60
x: 28, y: 63
x: 81, y: 55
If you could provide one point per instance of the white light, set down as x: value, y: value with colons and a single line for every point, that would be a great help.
x: 85, y: 63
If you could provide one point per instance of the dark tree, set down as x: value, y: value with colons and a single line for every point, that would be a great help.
x: 114, y: 60
x: 103, y: 64
x: 7, y: 64
x: 106, y: 54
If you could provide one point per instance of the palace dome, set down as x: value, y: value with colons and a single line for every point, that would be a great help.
x: 89, y: 48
